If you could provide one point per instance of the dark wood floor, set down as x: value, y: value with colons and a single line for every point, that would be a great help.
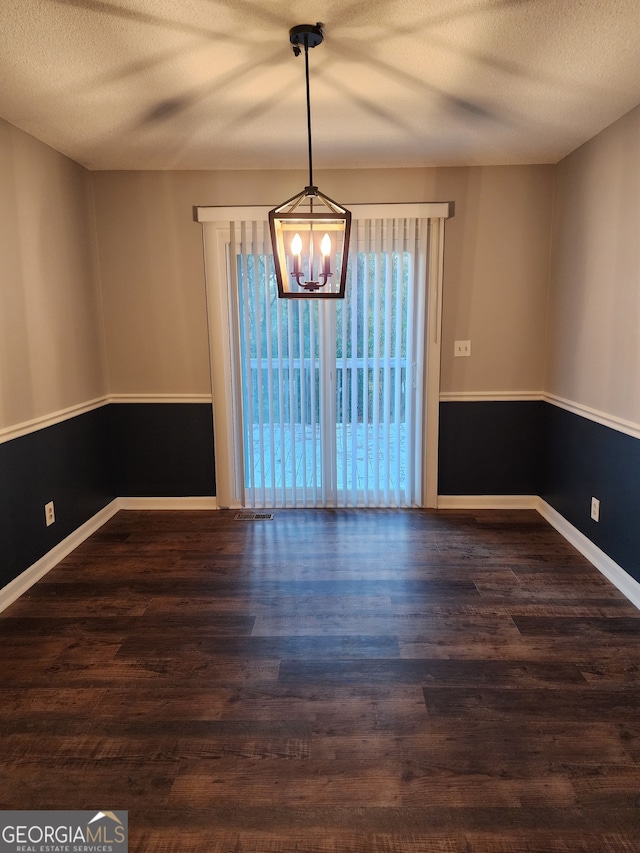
x: 365, y: 681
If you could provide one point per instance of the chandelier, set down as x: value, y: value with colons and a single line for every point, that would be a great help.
x: 310, y: 232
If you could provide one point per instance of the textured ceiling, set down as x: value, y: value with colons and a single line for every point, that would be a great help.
x: 213, y: 84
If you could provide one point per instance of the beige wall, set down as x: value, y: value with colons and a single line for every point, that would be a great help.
x: 150, y: 250
x: 594, y: 305
x: 496, y: 267
x: 496, y: 277
x: 51, y: 342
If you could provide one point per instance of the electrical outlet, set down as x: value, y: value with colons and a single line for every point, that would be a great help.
x: 49, y: 513
x: 461, y: 349
x: 595, y: 509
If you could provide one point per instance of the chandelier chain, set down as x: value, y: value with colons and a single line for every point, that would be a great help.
x: 306, y: 71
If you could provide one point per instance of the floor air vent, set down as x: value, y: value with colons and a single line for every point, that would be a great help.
x: 254, y: 516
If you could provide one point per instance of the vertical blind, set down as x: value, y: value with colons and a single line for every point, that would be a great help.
x: 331, y: 391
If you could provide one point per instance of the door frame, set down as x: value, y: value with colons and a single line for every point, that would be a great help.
x: 224, y: 337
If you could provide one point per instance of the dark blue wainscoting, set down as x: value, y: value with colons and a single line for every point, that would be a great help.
x: 491, y: 448
x: 166, y: 450
x: 536, y: 448
x: 83, y: 463
x: 162, y: 449
x: 67, y: 463
x: 584, y: 460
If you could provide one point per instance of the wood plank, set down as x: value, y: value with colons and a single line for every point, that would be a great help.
x: 586, y: 705
x: 548, y: 626
x: 437, y: 671
x: 257, y: 647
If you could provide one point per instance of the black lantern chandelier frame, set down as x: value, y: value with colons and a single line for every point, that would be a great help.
x: 310, y: 232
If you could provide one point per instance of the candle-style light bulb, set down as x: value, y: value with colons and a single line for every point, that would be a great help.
x: 325, y: 249
x: 296, y: 251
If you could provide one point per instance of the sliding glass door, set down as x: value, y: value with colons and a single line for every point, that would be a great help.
x: 330, y: 391
x: 327, y: 402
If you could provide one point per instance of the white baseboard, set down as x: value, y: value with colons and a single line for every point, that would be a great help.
x: 18, y: 586
x: 603, y: 563
x: 167, y: 503
x: 488, y: 502
x: 608, y: 567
